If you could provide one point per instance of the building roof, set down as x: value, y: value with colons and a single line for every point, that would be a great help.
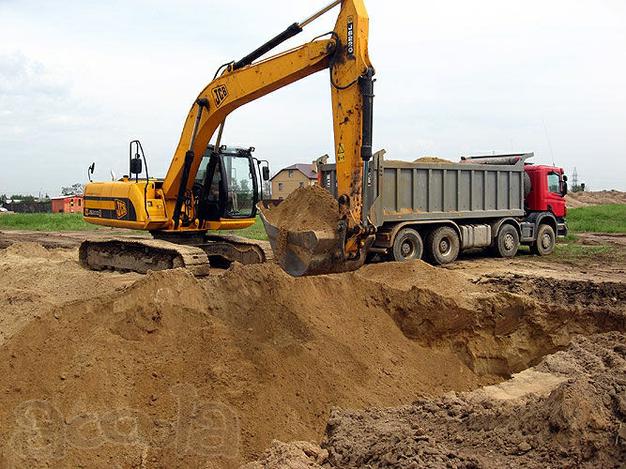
x: 304, y: 168
x: 63, y: 197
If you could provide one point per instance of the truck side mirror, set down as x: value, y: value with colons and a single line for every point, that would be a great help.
x: 90, y: 170
x: 136, y: 166
x: 266, y: 173
x: 564, y: 187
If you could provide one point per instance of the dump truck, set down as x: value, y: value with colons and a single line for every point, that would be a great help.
x: 436, y: 209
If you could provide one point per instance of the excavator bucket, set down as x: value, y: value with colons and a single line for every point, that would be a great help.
x: 301, y: 253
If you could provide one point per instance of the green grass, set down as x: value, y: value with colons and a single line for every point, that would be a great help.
x: 571, y: 251
x: 75, y: 222
x: 44, y: 222
x: 597, y: 219
x: 255, y: 231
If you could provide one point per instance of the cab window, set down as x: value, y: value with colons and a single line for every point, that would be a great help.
x: 202, y: 170
x: 554, y: 183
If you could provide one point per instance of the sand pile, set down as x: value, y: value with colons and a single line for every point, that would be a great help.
x: 585, y: 199
x: 35, y: 280
x: 578, y: 420
x: 169, y: 370
x: 306, y: 208
x: 27, y: 249
x: 432, y: 159
x: 271, y: 352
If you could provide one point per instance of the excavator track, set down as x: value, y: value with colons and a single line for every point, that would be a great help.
x: 144, y: 255
x: 230, y: 248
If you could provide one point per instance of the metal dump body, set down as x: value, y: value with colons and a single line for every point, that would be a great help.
x: 407, y: 191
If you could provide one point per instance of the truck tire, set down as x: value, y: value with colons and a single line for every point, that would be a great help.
x: 507, y: 242
x: 443, y: 245
x: 407, y: 246
x: 546, y: 241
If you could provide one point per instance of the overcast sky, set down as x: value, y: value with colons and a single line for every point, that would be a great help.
x: 79, y: 79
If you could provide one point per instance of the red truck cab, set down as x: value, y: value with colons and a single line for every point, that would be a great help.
x: 548, y: 187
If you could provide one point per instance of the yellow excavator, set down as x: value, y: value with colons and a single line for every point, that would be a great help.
x: 212, y: 187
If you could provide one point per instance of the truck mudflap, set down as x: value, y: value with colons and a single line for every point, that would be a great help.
x: 302, y: 253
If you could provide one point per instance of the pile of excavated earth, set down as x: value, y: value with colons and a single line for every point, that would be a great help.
x: 585, y: 199
x: 306, y: 208
x: 568, y: 411
x: 394, y: 365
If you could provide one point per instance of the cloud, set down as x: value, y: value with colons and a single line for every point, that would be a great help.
x: 79, y: 80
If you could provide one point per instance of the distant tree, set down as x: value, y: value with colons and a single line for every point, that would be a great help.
x: 74, y: 189
x: 23, y: 197
x: 267, y: 189
x: 244, y: 185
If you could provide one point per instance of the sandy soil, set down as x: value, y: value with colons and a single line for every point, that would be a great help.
x: 306, y: 208
x: 432, y: 159
x: 585, y: 199
x: 99, y: 369
x: 606, y: 268
x: 568, y: 411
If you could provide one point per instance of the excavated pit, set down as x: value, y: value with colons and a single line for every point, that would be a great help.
x: 569, y: 411
x: 274, y: 354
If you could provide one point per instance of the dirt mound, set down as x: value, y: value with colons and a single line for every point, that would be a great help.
x: 36, y: 280
x: 27, y: 249
x: 168, y: 370
x: 432, y: 159
x: 585, y: 199
x: 271, y: 352
x: 579, y: 422
x: 295, y: 455
x: 306, y: 208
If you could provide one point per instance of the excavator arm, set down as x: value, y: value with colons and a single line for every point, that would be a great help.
x: 233, y: 89
x: 345, y: 53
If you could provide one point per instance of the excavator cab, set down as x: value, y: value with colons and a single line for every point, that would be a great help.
x: 227, y: 185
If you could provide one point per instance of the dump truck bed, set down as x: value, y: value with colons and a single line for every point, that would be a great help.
x: 406, y: 191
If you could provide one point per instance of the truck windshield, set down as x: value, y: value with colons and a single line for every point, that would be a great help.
x: 239, y: 186
x: 554, y: 183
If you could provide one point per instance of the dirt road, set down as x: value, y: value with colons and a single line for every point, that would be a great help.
x: 162, y: 370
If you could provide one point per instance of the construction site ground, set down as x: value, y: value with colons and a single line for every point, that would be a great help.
x: 486, y: 363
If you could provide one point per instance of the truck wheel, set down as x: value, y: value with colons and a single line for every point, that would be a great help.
x: 507, y: 242
x: 546, y: 241
x: 443, y: 245
x: 407, y: 246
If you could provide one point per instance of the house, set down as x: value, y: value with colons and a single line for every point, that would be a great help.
x: 67, y: 204
x: 290, y: 178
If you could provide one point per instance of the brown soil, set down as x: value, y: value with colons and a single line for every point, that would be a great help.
x: 167, y: 370
x: 307, y: 208
x: 580, y: 294
x: 570, y: 411
x: 584, y: 199
x: 432, y: 159
x: 35, y: 281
